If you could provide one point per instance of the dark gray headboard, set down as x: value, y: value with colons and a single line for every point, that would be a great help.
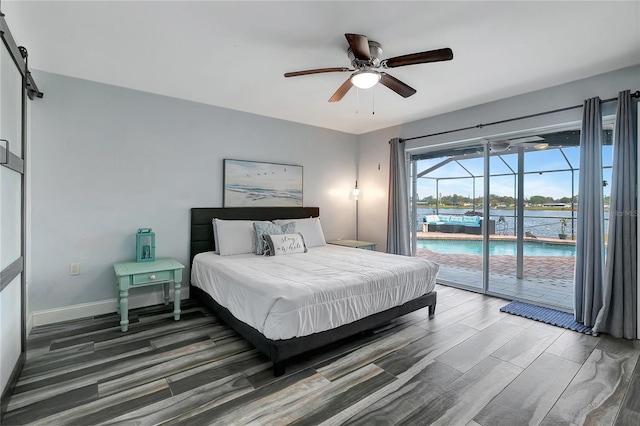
x: 202, y: 229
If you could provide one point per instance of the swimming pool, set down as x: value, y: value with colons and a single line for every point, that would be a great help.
x: 496, y: 248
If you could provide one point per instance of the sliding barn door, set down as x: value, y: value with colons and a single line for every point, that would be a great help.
x: 12, y: 315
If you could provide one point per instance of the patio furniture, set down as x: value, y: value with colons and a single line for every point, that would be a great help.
x: 458, y: 224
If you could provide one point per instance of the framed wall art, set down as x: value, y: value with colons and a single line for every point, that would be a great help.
x: 258, y: 184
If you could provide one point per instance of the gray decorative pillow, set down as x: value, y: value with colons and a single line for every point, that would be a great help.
x: 262, y: 228
x: 279, y: 244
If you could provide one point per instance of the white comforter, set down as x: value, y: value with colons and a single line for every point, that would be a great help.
x: 300, y: 294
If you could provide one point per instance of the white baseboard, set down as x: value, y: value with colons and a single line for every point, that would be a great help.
x: 83, y: 310
x: 29, y: 324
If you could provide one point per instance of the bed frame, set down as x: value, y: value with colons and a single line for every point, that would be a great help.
x: 279, y: 351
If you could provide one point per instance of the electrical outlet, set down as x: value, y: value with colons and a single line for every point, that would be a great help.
x: 74, y: 269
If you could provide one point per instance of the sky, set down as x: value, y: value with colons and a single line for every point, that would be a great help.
x: 551, y: 184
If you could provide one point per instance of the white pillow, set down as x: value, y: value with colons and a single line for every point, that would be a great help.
x: 234, y: 236
x: 310, y: 228
x: 216, y: 244
x: 278, y: 244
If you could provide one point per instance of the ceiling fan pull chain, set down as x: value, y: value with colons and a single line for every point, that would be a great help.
x: 373, y: 106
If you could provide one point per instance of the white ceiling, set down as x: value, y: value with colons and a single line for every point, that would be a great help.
x: 234, y: 54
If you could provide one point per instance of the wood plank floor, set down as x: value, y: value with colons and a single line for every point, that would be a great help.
x: 470, y: 365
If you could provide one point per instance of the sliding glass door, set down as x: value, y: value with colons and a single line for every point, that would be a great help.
x: 532, y: 253
x: 520, y: 243
x: 449, y: 198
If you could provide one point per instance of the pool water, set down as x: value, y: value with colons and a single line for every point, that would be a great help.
x: 496, y: 248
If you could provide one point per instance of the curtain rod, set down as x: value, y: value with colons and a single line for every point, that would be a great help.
x: 636, y: 94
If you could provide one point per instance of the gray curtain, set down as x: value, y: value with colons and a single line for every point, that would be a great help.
x: 398, y: 209
x: 618, y: 316
x: 590, y: 245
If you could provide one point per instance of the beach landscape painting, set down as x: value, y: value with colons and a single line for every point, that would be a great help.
x: 257, y: 184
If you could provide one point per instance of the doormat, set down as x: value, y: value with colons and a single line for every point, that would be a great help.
x: 546, y: 315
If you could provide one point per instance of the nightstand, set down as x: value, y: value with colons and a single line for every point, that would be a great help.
x: 140, y: 274
x: 354, y: 244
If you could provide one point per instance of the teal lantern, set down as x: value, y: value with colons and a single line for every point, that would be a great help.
x: 145, y: 245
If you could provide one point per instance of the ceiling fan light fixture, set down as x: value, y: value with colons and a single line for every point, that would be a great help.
x: 365, y: 79
x: 541, y: 146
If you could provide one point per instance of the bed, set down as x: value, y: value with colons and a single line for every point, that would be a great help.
x: 300, y: 320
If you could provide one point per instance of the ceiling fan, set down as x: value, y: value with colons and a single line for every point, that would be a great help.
x: 536, y: 142
x: 364, y: 55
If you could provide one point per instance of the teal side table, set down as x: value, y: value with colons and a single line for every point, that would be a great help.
x: 134, y: 274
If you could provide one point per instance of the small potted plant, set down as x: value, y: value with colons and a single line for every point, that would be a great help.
x: 563, y: 228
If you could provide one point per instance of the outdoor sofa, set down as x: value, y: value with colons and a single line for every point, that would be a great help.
x: 457, y: 224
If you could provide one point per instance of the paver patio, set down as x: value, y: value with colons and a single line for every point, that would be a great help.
x: 547, y: 280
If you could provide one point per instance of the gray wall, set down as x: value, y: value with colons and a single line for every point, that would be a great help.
x: 374, y: 147
x: 107, y: 160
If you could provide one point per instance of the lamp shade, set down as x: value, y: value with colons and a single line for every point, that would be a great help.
x: 365, y: 79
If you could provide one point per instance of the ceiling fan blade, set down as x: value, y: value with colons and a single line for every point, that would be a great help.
x: 396, y: 85
x: 342, y: 90
x: 359, y: 45
x: 438, y: 55
x: 316, y: 71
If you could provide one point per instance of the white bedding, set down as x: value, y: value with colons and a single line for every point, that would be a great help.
x: 301, y: 294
